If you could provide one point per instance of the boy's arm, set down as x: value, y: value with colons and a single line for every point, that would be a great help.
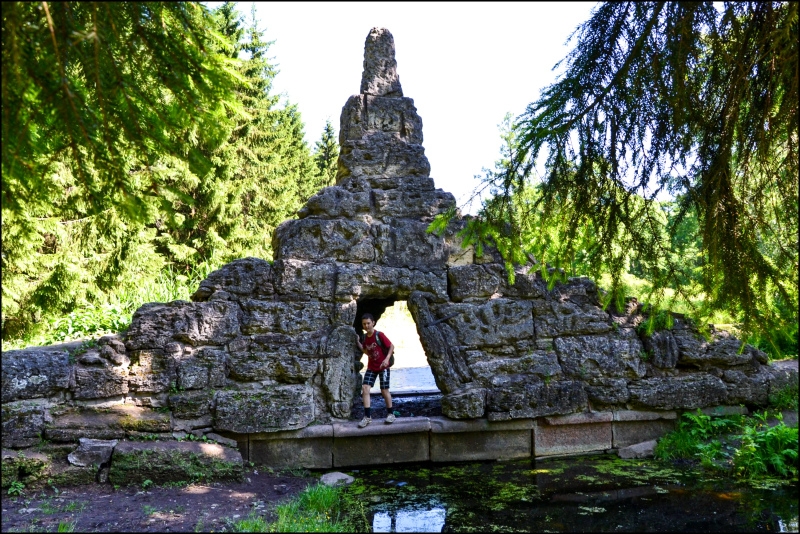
x: 389, y: 352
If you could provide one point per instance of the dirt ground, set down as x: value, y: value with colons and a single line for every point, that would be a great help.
x: 193, y: 508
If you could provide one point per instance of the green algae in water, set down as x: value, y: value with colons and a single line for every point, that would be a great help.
x: 596, y: 494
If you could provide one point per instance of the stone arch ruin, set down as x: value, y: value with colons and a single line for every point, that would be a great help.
x: 270, y: 347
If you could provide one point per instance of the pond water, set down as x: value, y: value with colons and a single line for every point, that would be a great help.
x: 585, y: 494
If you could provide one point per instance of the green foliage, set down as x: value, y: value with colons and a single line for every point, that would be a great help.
x: 785, y: 398
x: 755, y: 450
x: 326, y: 156
x: 226, y: 165
x: 660, y: 320
x: 318, y: 508
x: 16, y: 488
x: 657, y: 98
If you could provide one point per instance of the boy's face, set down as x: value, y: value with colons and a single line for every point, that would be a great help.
x: 368, y: 325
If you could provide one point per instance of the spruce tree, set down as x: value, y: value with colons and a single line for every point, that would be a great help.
x: 326, y: 156
x: 67, y: 251
x: 690, y: 99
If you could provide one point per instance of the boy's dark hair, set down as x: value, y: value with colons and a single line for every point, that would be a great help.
x: 368, y: 316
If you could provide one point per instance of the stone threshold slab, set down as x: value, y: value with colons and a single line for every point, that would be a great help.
x: 378, y: 427
x: 443, y: 425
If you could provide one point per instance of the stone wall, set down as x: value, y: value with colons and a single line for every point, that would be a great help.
x: 270, y: 347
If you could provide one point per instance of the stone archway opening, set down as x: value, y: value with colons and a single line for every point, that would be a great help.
x: 411, y: 372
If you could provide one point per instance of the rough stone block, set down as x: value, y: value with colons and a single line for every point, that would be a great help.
x: 334, y: 201
x: 205, y: 367
x: 32, y: 373
x: 323, y: 240
x: 380, y: 281
x: 518, y: 398
x: 589, y: 357
x: 289, y: 318
x: 410, y: 204
x: 23, y: 423
x: 152, y: 371
x: 194, y: 323
x: 568, y: 317
x: 408, y: 244
x: 663, y: 349
x: 607, y: 392
x: 465, y: 404
x: 99, y: 382
x: 684, y: 392
x: 311, y: 278
x: 382, y: 156
x: 539, y: 364
x: 277, y: 408
x: 173, y: 461
x: 571, y: 439
x: 246, y: 277
x: 106, y: 424
x: 364, y: 114
x: 631, y: 432
x: 496, y: 323
x: 191, y: 404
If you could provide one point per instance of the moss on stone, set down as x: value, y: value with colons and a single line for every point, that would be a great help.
x: 163, y: 466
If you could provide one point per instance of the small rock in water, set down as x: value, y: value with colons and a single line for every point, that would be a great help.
x: 336, y: 479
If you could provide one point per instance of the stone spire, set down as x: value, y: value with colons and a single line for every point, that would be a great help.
x: 380, y: 68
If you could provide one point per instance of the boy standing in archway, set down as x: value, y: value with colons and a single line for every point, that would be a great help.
x: 379, y: 350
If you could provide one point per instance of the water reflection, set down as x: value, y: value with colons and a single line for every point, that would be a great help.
x: 590, y: 494
x: 409, y: 521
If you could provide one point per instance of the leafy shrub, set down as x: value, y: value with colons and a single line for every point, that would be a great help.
x: 767, y: 450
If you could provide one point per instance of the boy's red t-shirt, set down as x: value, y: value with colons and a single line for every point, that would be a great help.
x: 375, y: 352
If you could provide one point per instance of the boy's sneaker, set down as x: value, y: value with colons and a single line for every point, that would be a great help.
x: 364, y: 422
x: 390, y: 418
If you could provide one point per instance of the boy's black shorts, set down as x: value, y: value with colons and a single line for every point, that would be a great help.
x: 369, y: 377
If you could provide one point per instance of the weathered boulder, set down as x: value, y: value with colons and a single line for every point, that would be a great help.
x: 92, y: 452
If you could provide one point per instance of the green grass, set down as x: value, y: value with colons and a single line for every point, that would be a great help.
x: 318, y: 508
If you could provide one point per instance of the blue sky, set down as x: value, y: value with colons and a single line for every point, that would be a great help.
x: 465, y: 65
